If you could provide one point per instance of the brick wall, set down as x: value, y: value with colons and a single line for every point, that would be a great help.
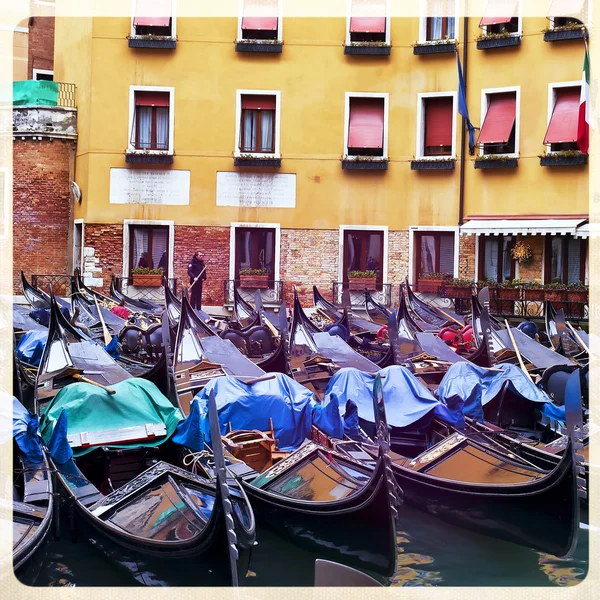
x: 107, y: 243
x: 466, y: 256
x: 398, y: 262
x: 42, y: 207
x: 41, y: 45
x: 533, y: 271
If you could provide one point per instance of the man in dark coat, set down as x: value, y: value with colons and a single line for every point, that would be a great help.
x: 197, y: 274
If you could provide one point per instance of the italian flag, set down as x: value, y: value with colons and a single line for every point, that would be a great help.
x: 583, y: 123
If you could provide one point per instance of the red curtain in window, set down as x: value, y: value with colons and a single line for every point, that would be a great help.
x: 259, y: 102
x: 152, y: 98
x: 366, y: 123
x: 260, y: 15
x: 438, y: 121
x: 368, y: 16
x: 152, y: 13
x: 566, y: 8
x: 499, y: 120
x: 499, y: 11
x: 563, y: 123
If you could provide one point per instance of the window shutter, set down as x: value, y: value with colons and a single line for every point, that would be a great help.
x: 266, y: 102
x: 438, y: 121
x: 447, y: 253
x: 573, y: 260
x: 499, y: 119
x: 563, y: 123
x: 567, y: 8
x: 366, y: 123
x: 152, y: 13
x: 260, y: 15
x: 152, y: 98
x: 368, y: 16
x: 499, y: 11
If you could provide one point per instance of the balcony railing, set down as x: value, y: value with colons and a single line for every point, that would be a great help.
x: 59, y: 285
x: 381, y: 294
x: 272, y: 296
x: 126, y: 286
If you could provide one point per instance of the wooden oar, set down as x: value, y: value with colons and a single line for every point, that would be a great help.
x: 107, y: 336
x: 516, y: 348
x: 200, y: 275
x: 86, y: 380
x: 257, y: 380
x: 578, y: 338
x: 450, y: 317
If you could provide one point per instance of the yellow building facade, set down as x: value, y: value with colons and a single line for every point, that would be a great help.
x: 204, y: 134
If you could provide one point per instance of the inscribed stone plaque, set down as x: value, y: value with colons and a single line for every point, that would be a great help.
x: 133, y: 186
x: 256, y: 190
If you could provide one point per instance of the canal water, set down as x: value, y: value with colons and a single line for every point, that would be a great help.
x: 430, y: 553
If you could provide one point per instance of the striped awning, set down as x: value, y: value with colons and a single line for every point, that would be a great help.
x: 522, y: 226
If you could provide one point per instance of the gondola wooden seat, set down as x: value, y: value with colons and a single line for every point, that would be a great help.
x: 255, y: 448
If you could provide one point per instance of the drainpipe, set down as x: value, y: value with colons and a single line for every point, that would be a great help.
x: 461, y: 201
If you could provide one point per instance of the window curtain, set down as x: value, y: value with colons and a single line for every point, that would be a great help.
x: 451, y: 27
x: 144, y: 123
x: 374, y: 254
x: 447, y: 254
x: 140, y: 247
x: 162, y: 128
x: 490, y: 267
x: 244, y: 250
x: 249, y: 141
x: 506, y: 257
x: 269, y: 251
x: 436, y: 28
x: 266, y: 130
x: 556, y: 266
x: 427, y: 254
x: 574, y: 260
x: 160, y: 238
x: 351, y: 253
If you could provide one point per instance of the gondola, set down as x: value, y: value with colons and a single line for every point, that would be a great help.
x: 123, y: 468
x: 377, y: 312
x: 143, y: 305
x: 434, y: 315
x: 32, y: 503
x: 38, y: 298
x: 562, y: 339
x: 244, y: 314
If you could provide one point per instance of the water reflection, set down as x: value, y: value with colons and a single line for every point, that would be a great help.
x: 558, y: 571
x: 407, y: 574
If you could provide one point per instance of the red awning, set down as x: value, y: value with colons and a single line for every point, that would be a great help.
x: 563, y: 123
x: 152, y: 13
x: 257, y: 102
x: 260, y: 15
x: 152, y: 98
x: 499, y: 119
x: 567, y: 8
x: 366, y: 123
x: 499, y: 11
x: 438, y: 121
x: 368, y: 16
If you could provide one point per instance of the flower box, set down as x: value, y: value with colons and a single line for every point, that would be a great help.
x: 147, y: 280
x: 455, y: 291
x: 259, y: 46
x: 141, y: 157
x: 497, y: 163
x: 555, y: 296
x: 252, y: 161
x: 533, y: 294
x: 559, y: 35
x: 365, y: 165
x: 166, y: 42
x: 498, y: 42
x: 429, y: 285
x: 260, y: 282
x: 432, y: 165
x: 558, y: 160
x: 360, y: 283
x: 434, y: 48
x: 379, y: 49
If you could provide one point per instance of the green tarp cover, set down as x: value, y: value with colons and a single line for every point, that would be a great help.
x: 90, y: 408
x: 35, y: 93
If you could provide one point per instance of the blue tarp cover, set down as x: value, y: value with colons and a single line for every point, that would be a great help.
x: 188, y: 433
x: 406, y: 399
x: 24, y: 428
x: 249, y: 407
x: 31, y: 346
x: 476, y: 386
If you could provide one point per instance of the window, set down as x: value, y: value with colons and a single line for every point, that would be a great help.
x: 148, y: 247
x: 501, y: 16
x: 500, y: 130
x: 368, y: 21
x: 151, y: 119
x: 564, y: 13
x: 438, y: 20
x: 495, y: 260
x: 258, y: 123
x: 436, y: 125
x: 363, y: 251
x: 563, y: 114
x: 260, y: 20
x: 564, y: 259
x: 42, y: 75
x: 153, y: 17
x: 255, y: 249
x: 366, y: 125
x: 434, y: 252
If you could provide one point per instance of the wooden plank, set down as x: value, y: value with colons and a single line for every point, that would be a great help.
x: 125, y: 435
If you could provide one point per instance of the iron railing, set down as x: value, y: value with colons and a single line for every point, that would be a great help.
x: 154, y: 293
x: 67, y: 95
x: 272, y: 296
x: 60, y: 285
x: 382, y: 294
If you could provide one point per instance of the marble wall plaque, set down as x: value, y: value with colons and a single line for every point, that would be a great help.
x: 264, y: 190
x: 145, y: 186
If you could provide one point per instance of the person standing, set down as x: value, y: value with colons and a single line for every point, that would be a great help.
x: 197, y: 274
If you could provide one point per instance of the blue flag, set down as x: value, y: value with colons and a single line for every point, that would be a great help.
x: 462, y: 105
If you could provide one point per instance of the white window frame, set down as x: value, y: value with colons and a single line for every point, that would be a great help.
x: 388, y: 21
x: 236, y: 225
x: 126, y: 235
x: 519, y: 31
x: 240, y: 34
x: 238, y: 123
x: 420, y: 150
x: 423, y: 24
x: 81, y: 257
x: 342, y: 231
x: 430, y: 229
x: 485, y: 93
x: 173, y: 35
x: 7, y: 186
x: 552, y: 87
x: 386, y: 104
x: 131, y: 149
x: 41, y: 72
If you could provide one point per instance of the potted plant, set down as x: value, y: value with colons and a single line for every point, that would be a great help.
x: 459, y: 287
x: 146, y: 277
x: 254, y: 278
x: 430, y: 282
x: 533, y: 290
x: 359, y: 280
x: 556, y: 292
x: 577, y: 297
x: 506, y: 294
